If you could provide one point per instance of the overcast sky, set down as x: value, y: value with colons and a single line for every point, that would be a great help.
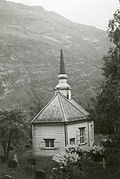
x: 91, y: 12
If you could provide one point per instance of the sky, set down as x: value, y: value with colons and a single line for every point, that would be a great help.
x: 90, y: 12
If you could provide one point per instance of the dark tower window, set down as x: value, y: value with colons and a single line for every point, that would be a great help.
x: 67, y: 95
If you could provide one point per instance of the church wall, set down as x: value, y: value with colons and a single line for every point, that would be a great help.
x: 91, y: 131
x: 73, y: 132
x: 48, y: 131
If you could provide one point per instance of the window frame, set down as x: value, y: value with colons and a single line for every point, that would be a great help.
x: 81, y: 135
x: 49, y: 143
x: 72, y: 141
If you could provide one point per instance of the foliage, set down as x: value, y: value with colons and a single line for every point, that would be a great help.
x: 107, y: 107
x: 69, y: 164
x: 112, y: 151
x: 114, y: 28
x: 13, y: 128
x: 97, y: 152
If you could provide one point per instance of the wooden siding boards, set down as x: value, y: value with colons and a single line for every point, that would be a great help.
x: 50, y: 131
x: 72, y: 131
x: 60, y: 119
x: 89, y: 135
x: 55, y: 131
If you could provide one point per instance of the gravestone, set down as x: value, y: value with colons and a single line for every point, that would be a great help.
x: 40, y: 174
x: 12, y: 164
x: 31, y: 161
x: 11, y: 148
x: 7, y: 177
x: 27, y: 146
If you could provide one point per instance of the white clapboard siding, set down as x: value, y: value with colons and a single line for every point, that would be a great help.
x: 91, y: 132
x: 73, y: 132
x: 44, y: 131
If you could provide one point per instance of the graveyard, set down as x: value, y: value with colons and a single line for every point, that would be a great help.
x: 76, y: 133
x: 30, y: 167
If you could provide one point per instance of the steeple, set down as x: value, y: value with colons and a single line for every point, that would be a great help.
x: 62, y: 65
x: 63, y: 86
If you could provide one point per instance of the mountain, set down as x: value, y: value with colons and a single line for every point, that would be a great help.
x: 30, y: 43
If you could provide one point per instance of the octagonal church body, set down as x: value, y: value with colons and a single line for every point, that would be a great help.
x: 62, y: 122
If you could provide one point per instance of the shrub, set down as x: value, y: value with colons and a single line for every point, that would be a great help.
x: 97, y: 153
x: 112, y: 150
x: 68, y: 164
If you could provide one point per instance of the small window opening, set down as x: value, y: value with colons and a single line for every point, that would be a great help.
x: 67, y: 96
x: 49, y: 142
x: 72, y: 141
x: 82, y: 134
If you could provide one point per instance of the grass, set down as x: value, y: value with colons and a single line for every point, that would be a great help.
x: 92, y: 169
x: 25, y: 170
x: 95, y: 170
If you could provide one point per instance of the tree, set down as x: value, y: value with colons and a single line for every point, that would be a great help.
x: 112, y: 151
x: 13, y: 128
x: 107, y: 107
x: 69, y: 164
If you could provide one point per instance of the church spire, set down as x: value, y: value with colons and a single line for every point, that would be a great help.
x: 63, y: 86
x: 62, y: 65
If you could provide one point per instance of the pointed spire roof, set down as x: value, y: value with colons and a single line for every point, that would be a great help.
x: 62, y: 65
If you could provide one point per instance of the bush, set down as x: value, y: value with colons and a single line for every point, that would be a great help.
x: 97, y: 153
x: 112, y: 150
x: 68, y: 164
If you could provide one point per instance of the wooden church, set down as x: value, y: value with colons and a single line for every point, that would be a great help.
x: 62, y: 122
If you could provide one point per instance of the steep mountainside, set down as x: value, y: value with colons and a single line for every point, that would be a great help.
x: 30, y: 41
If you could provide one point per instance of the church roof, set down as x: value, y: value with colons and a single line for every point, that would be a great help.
x: 60, y: 109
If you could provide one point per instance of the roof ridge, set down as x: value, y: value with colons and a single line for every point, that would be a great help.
x: 79, y: 105
x: 43, y: 108
x: 72, y: 104
x: 62, y: 109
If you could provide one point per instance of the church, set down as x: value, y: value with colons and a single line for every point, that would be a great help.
x: 62, y: 122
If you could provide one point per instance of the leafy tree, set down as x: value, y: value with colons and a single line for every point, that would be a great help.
x: 107, y: 107
x: 13, y: 128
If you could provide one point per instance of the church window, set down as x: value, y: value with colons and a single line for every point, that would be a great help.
x: 67, y: 95
x: 91, y: 127
x: 82, y: 135
x: 72, y: 141
x: 49, y: 142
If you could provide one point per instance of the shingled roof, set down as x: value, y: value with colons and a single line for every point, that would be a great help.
x: 60, y: 109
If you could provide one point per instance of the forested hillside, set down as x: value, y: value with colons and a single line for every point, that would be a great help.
x: 30, y: 42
